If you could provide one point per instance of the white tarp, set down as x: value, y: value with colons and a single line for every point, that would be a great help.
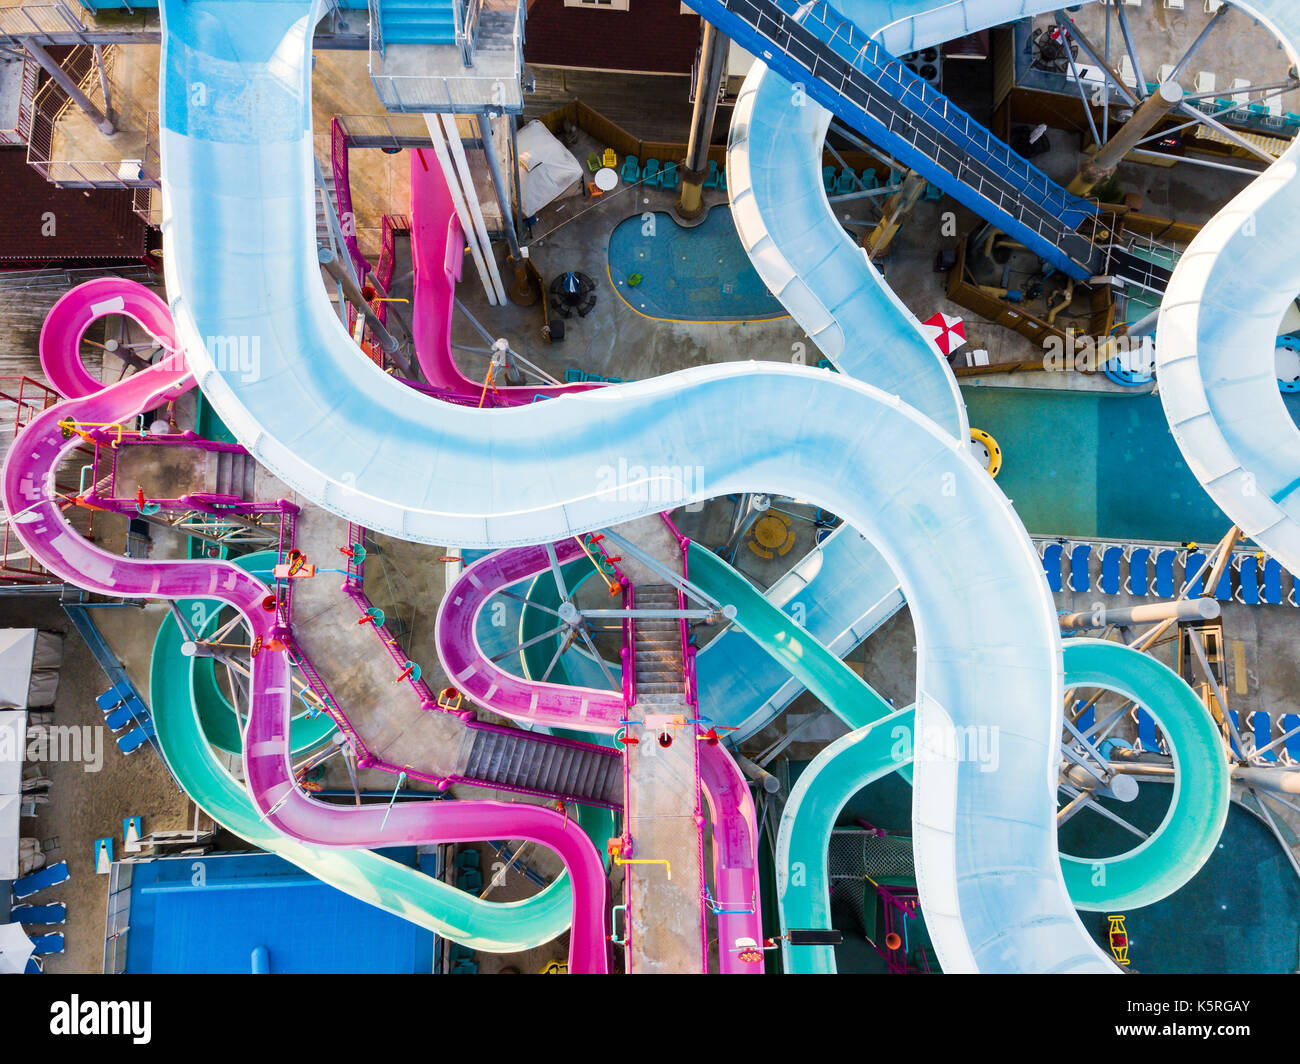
x: 10, y: 806
x: 29, y: 667
x: 13, y: 738
x: 546, y: 167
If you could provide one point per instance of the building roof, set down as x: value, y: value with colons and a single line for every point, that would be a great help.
x: 652, y: 36
x: 87, y: 224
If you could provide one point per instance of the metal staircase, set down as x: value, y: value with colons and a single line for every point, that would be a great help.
x: 417, y: 21
x: 842, y: 68
x: 660, y: 674
x: 516, y: 760
x: 236, y: 475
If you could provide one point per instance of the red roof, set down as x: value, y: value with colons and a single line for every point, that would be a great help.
x: 652, y: 37
x: 88, y: 224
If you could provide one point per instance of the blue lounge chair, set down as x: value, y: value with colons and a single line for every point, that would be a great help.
x: 1148, y: 739
x: 1110, y: 559
x: 33, y: 966
x: 1052, y: 565
x: 1193, y: 564
x: 119, y: 718
x: 828, y: 179
x: 132, y: 740
x: 44, y: 945
x: 1080, y: 577
x: 1262, y: 725
x: 650, y: 175
x: 51, y: 876
x: 39, y: 914
x: 668, y: 179
x: 631, y: 169
x: 1272, y: 593
x: 110, y: 699
x: 1234, y: 732
x: 1136, y: 581
x: 1291, y: 723
x: 1247, y: 579
x: 1165, y: 573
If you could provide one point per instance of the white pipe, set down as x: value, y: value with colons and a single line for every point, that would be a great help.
x: 471, y: 197
x: 458, y: 198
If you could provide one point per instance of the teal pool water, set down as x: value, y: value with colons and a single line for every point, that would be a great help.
x: 700, y: 274
x: 1096, y: 464
x: 1239, y: 913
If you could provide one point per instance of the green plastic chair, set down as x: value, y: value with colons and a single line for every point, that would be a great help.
x: 593, y: 162
x: 651, y: 174
x: 669, y: 179
x: 711, y: 178
x: 631, y: 169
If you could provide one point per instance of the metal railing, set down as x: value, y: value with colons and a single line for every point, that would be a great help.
x: 52, y: 104
x: 27, y: 20
x: 467, y: 13
x: 376, y: 30
x: 469, y: 93
x: 117, y: 925
x: 384, y: 131
x: 22, y: 127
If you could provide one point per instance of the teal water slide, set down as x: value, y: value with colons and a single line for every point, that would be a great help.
x: 882, y: 742
x: 495, y: 927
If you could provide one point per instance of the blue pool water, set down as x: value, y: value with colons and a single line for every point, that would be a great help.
x: 208, y: 914
x: 700, y: 274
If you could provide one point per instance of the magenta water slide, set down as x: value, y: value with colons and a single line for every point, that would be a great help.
x: 28, y: 474
x: 77, y: 310
x: 438, y: 256
x: 483, y: 681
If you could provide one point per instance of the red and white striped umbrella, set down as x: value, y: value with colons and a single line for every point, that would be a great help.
x: 947, y: 333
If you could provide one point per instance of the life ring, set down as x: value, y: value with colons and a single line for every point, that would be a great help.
x: 986, y: 451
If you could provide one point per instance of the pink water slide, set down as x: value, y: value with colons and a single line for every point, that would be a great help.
x: 27, y: 476
x: 483, y: 681
x: 438, y: 255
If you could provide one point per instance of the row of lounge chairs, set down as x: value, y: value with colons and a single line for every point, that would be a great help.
x: 126, y: 716
x: 52, y: 914
x: 1163, y: 573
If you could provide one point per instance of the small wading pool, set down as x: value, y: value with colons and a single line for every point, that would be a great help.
x: 699, y: 274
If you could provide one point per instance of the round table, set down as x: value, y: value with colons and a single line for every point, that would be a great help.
x: 606, y: 179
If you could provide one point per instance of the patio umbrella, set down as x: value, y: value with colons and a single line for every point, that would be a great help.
x: 945, y: 331
x: 15, y: 949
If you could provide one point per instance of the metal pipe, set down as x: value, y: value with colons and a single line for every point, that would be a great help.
x: 1281, y: 780
x: 1195, y: 46
x: 759, y: 775
x: 462, y: 210
x: 1231, y: 134
x: 1199, y: 609
x: 386, y: 339
x: 1110, y: 154
x: 1086, y: 47
x: 452, y: 133
x: 60, y: 77
x: 1128, y: 44
x: 498, y: 183
x: 708, y: 80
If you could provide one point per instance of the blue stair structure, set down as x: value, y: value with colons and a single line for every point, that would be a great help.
x: 417, y: 22
x: 857, y: 80
x: 122, y: 703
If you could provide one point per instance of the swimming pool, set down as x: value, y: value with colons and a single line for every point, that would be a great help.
x: 699, y: 274
x: 207, y: 915
x: 1096, y: 464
